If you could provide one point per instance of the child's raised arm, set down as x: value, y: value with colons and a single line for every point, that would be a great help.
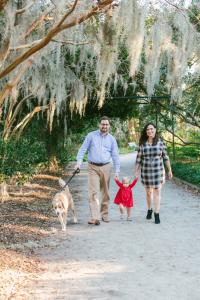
x: 118, y: 182
x: 134, y: 182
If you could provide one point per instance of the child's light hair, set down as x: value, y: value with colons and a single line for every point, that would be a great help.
x: 126, y: 179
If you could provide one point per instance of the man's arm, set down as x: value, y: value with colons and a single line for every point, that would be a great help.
x: 83, y: 149
x: 115, y: 157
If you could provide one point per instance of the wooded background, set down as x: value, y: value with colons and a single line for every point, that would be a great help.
x: 63, y: 65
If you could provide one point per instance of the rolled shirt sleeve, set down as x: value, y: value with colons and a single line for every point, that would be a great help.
x: 84, y: 148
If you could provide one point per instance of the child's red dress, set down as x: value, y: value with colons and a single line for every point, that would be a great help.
x: 124, y: 195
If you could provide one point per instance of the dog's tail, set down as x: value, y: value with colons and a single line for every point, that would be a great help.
x: 62, y: 183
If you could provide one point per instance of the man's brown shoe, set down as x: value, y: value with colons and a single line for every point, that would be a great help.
x: 105, y: 219
x: 94, y: 222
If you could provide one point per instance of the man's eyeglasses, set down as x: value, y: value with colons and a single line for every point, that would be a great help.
x: 103, y: 124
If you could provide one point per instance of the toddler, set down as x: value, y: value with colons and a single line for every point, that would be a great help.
x: 124, y: 197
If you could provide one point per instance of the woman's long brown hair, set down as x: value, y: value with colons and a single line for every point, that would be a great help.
x: 144, y: 136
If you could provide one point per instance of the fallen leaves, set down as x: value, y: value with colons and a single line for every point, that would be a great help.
x: 25, y: 219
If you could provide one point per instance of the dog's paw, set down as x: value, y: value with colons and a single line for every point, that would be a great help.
x: 64, y: 229
x: 75, y: 221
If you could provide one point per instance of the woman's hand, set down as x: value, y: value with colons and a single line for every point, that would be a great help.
x: 137, y: 173
x: 170, y: 175
x: 169, y: 169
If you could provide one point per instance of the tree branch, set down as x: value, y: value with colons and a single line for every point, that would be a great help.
x: 183, y: 10
x: 68, y: 13
x: 22, y: 10
x: 18, y: 107
x: 53, y: 40
x: 51, y: 34
x: 194, y: 122
x: 37, y: 23
x: 3, y: 4
x: 25, y: 46
x: 172, y: 4
x: 4, y: 49
x: 176, y: 143
x: 178, y: 137
x: 72, y: 42
x: 10, y: 85
x: 95, y: 10
x: 27, y: 119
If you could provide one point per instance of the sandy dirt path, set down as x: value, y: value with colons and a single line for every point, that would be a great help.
x: 124, y: 260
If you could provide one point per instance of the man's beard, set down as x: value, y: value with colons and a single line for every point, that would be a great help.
x: 104, y: 130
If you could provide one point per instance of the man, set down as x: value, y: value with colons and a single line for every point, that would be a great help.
x: 101, y: 147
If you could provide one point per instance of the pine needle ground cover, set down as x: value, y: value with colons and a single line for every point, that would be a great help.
x: 26, y: 218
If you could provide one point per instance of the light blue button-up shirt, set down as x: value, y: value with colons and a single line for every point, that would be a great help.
x: 101, y: 148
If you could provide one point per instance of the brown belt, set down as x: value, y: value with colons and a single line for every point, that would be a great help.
x: 98, y: 164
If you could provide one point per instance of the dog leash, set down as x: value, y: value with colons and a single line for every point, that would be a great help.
x: 73, y: 174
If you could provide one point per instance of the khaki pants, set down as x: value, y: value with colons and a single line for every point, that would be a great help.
x: 98, y: 182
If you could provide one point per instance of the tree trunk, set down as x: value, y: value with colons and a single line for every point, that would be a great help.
x: 53, y: 141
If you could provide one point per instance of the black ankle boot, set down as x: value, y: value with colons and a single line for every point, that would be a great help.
x: 149, y: 214
x: 157, y: 218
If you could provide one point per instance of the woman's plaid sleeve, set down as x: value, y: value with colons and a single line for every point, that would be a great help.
x: 139, y: 156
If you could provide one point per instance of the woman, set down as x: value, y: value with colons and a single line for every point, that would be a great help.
x: 150, y: 159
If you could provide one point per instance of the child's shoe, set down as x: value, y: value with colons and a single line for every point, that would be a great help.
x: 129, y: 219
x: 121, y: 217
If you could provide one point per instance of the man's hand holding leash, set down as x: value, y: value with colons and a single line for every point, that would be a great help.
x: 77, y: 166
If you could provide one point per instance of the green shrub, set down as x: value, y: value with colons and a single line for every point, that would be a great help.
x: 186, y: 153
x: 187, y: 163
x: 21, y: 156
x: 187, y: 171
